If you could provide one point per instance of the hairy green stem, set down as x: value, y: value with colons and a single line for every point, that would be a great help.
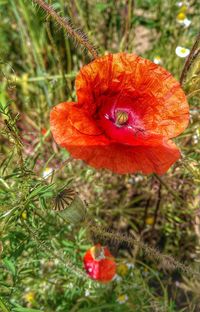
x: 125, y: 39
x: 46, y: 77
x: 189, y: 60
x: 165, y: 260
x: 78, y: 36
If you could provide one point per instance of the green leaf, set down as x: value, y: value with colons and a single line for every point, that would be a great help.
x: 20, y: 309
x: 102, y: 6
x: 9, y: 265
x: 40, y: 190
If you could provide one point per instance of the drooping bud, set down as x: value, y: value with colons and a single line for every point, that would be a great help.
x: 100, y: 264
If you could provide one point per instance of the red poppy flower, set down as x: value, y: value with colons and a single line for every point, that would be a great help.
x: 100, y: 264
x: 127, y: 111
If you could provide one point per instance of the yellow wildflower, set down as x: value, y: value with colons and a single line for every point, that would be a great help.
x: 122, y: 298
x: 183, y: 8
x: 122, y: 269
x: 24, y: 215
x: 29, y: 297
x: 149, y: 220
x: 181, y: 17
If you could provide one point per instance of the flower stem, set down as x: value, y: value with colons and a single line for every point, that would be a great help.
x: 19, y: 80
x: 189, y: 60
x: 64, y: 23
x: 174, y: 194
x: 129, y: 12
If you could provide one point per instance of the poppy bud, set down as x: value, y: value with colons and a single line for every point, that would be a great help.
x: 100, y: 264
x: 43, y: 131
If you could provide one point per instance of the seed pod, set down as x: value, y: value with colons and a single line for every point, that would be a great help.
x: 76, y: 212
x: 64, y: 199
x: 100, y: 264
x: 121, y: 118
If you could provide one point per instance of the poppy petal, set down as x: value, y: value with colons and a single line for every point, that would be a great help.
x: 156, y: 95
x: 71, y: 125
x: 121, y: 158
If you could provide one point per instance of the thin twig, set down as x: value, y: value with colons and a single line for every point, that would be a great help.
x: 64, y: 23
x: 175, y: 195
x: 189, y: 60
x: 146, y: 212
x: 157, y: 207
x: 129, y: 12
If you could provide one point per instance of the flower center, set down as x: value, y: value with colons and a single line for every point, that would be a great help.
x: 183, y: 50
x: 181, y: 16
x: 97, y: 252
x: 121, y: 118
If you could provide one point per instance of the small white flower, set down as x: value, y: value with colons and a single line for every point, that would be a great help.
x: 122, y: 298
x: 117, y: 278
x: 182, y: 3
x: 56, y: 261
x: 182, y: 52
x: 138, y: 179
x: 130, y: 265
x: 87, y: 292
x: 157, y: 60
x: 44, y: 286
x: 179, y: 4
x: 70, y: 285
x: 183, y: 20
x: 195, y: 139
x: 27, y: 289
x: 42, y: 261
x: 47, y: 172
x: 186, y: 22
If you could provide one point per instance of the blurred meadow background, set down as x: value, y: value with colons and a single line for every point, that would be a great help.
x: 150, y: 223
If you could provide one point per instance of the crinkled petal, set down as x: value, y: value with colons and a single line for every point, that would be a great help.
x: 155, y: 94
x: 70, y: 125
x: 124, y: 159
x: 77, y: 132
